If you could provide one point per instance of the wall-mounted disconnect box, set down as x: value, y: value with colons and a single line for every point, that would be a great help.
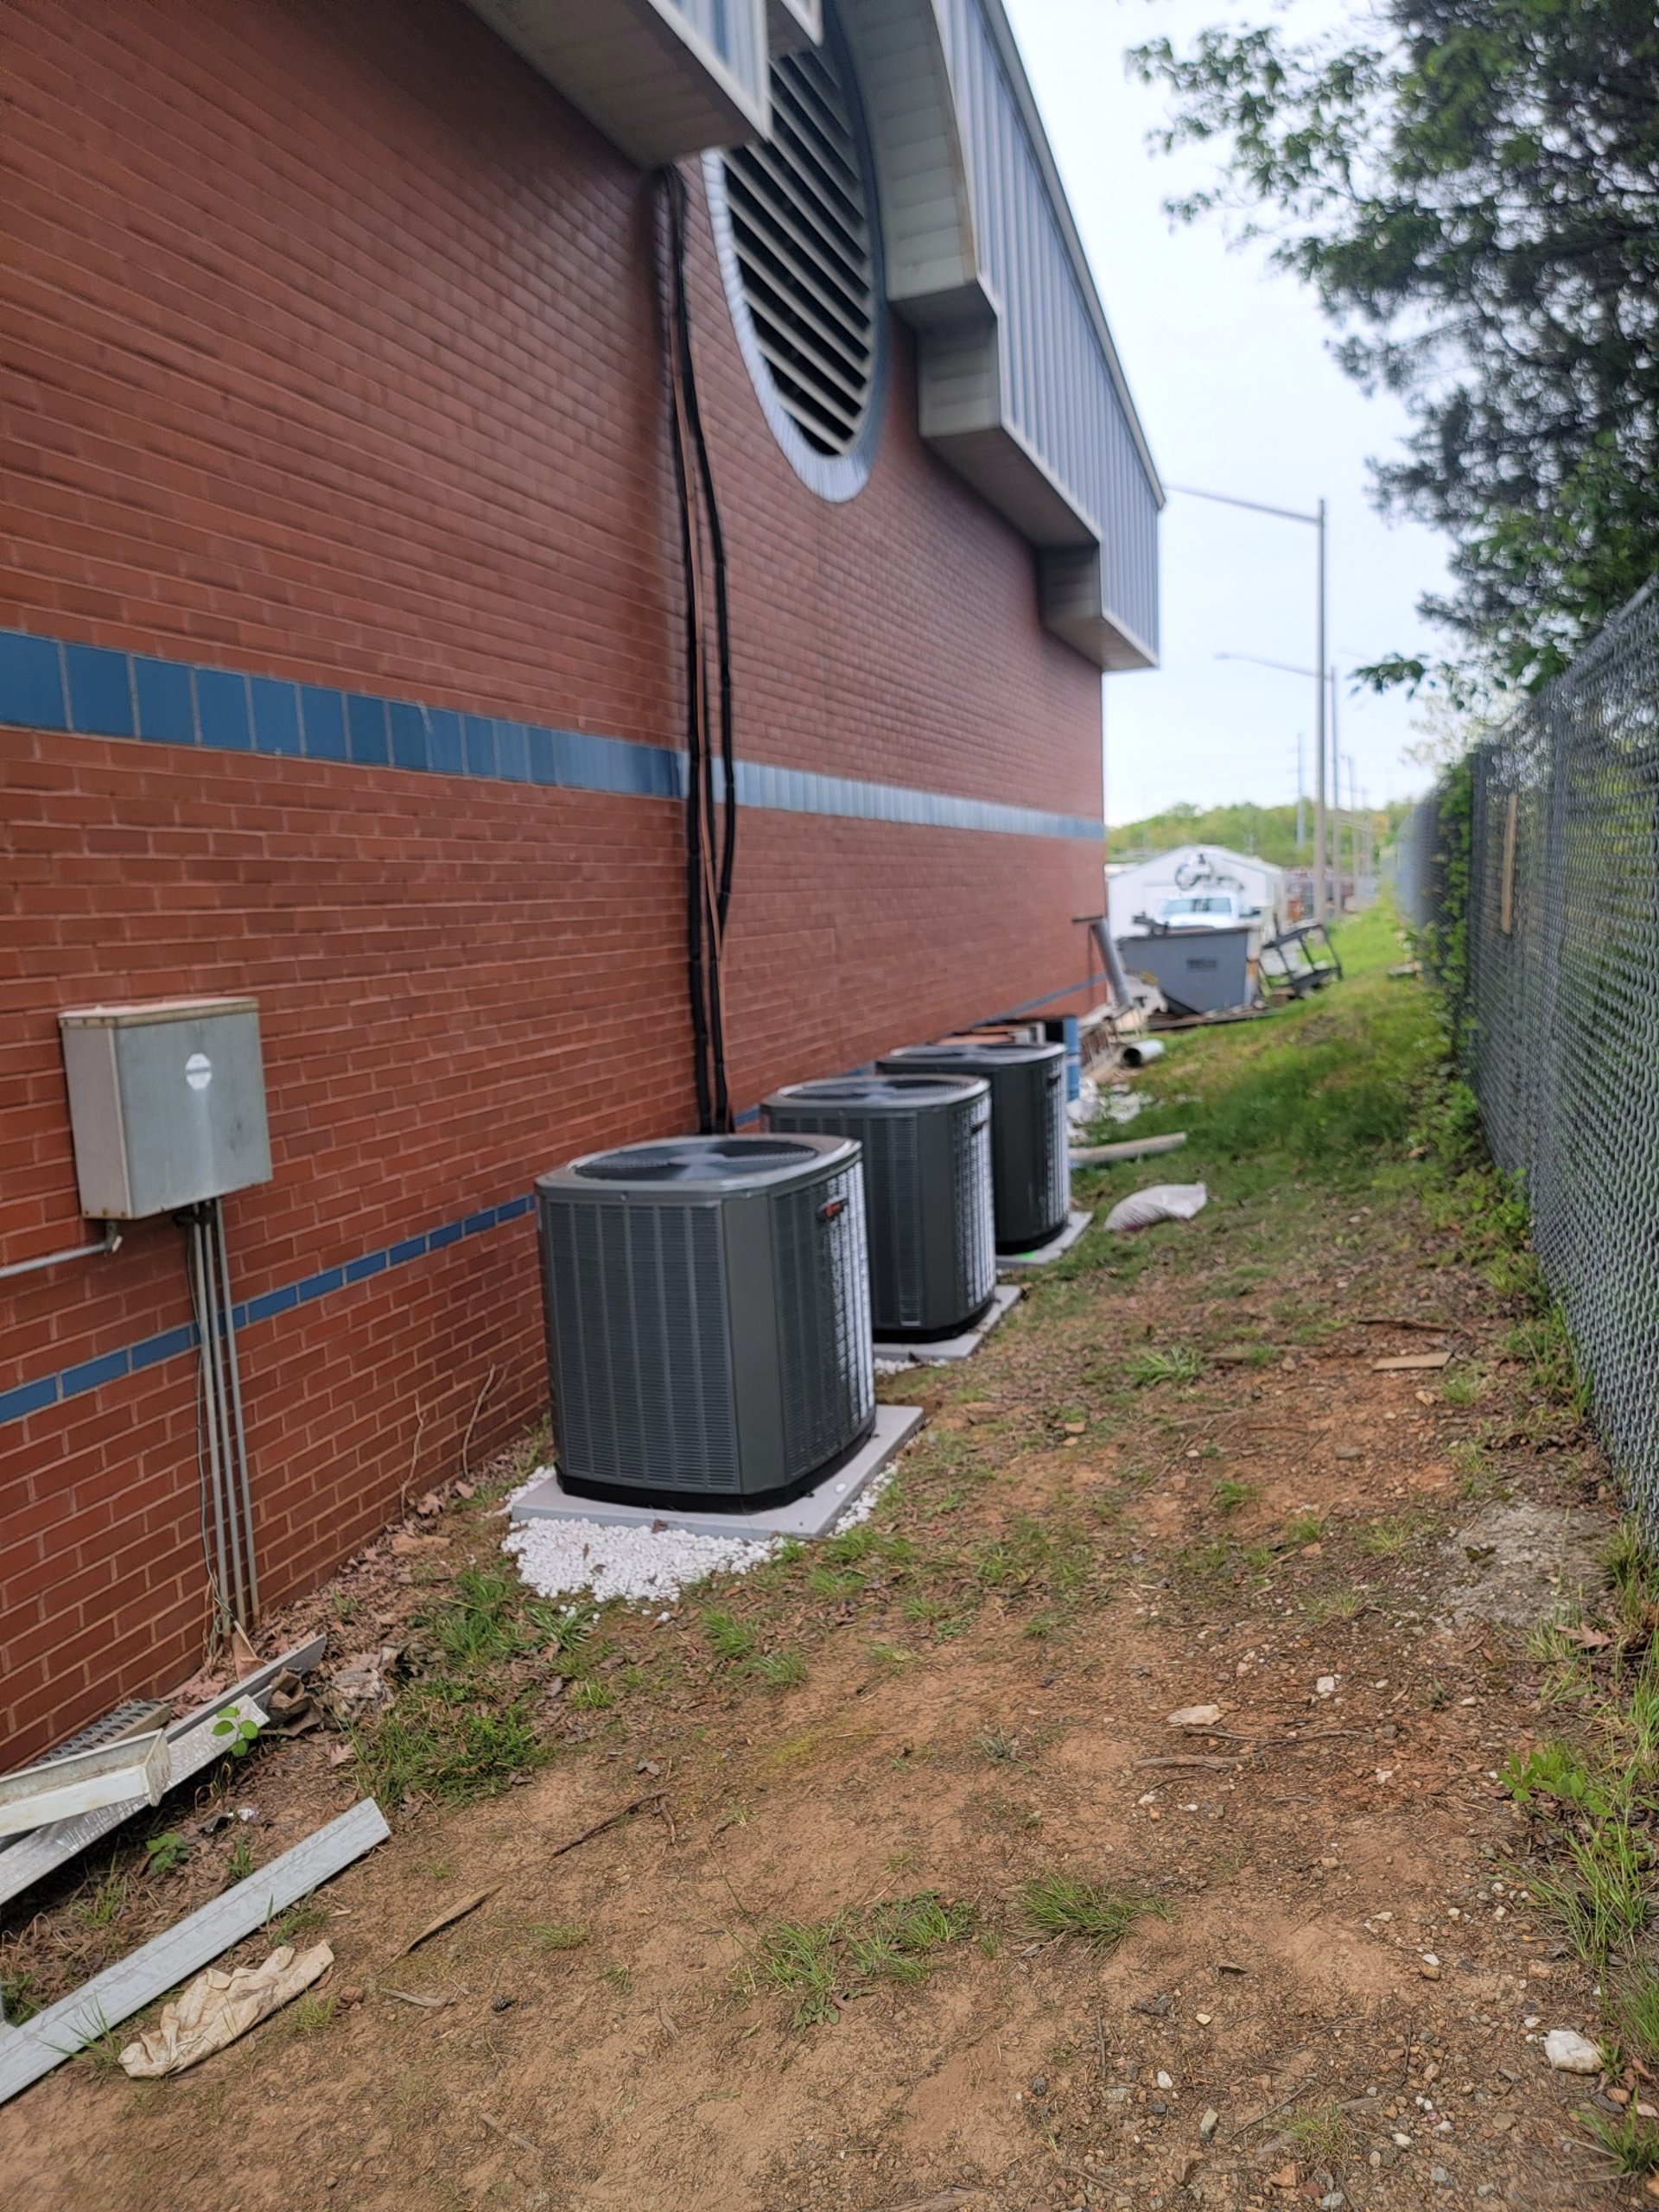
x: 166, y: 1102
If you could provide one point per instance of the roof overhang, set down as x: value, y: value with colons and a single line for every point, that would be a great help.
x: 1021, y: 389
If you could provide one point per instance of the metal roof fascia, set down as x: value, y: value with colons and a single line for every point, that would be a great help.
x: 1008, y: 54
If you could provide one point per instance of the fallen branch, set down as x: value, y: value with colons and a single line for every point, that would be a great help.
x: 611, y: 1821
x: 1404, y: 1321
x: 508, y: 2136
x: 467, y: 1440
x: 448, y: 1918
x: 1193, y: 1758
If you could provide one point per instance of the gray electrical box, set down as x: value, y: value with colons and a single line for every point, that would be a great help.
x: 166, y: 1102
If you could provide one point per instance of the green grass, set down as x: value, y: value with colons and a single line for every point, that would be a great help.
x: 782, y: 1670
x: 1304, y: 1529
x: 488, y: 1617
x: 19, y: 1997
x: 1391, y: 1538
x: 1228, y: 1496
x: 811, y: 1963
x: 106, y: 1903
x: 897, y: 1941
x: 798, y: 1958
x: 560, y: 1934
x: 312, y: 2013
x: 464, y: 1725
x: 591, y: 1696
x: 1332, y: 1084
x: 1635, y: 2009
x: 453, y: 1739
x: 1320, y: 2133
x: 729, y: 1639
x: 834, y: 1582
x: 1334, y: 1605
x: 1632, y: 2144
x: 1602, y: 1898
x: 1000, y: 1748
x: 301, y: 1919
x: 1148, y: 1369
x: 1103, y: 1914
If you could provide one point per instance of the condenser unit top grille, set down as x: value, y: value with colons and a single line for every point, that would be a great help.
x: 717, y: 1163
x: 988, y: 1053
x: 801, y: 227
x: 880, y: 1094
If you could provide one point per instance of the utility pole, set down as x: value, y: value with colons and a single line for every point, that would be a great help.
x: 1317, y: 520
x: 1318, y: 797
x: 1336, y: 792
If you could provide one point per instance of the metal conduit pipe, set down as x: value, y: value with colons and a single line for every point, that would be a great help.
x: 111, y: 1242
x: 239, y: 1434
x: 214, y: 1481
x: 237, y: 1579
x: 221, y: 1391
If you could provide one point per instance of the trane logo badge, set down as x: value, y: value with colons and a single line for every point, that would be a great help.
x: 198, y: 1070
x: 831, y: 1209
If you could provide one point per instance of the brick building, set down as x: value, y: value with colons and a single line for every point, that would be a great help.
x: 343, y: 665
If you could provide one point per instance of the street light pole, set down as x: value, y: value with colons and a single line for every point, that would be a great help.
x: 1317, y: 521
x: 1318, y: 799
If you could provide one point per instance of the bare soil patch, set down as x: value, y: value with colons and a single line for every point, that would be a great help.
x: 1328, y: 1951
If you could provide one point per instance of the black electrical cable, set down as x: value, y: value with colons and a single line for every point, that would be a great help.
x: 710, y: 835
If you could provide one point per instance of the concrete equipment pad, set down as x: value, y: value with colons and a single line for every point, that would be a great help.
x: 942, y: 1349
x: 1062, y: 1241
x: 813, y: 1514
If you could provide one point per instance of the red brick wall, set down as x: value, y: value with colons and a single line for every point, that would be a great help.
x: 332, y: 355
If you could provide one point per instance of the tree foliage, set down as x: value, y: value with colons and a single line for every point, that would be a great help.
x: 1472, y: 190
x: 1268, y: 831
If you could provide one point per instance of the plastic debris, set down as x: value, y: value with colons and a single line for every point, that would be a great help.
x: 1162, y: 1202
x: 216, y: 2007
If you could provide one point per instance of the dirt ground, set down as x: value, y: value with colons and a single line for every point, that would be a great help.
x: 1335, y: 1987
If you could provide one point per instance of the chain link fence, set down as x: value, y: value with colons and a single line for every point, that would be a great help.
x: 1560, y: 1012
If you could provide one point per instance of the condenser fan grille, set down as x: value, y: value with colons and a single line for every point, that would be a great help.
x: 694, y: 1160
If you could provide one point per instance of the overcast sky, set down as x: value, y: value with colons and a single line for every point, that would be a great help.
x: 1230, y: 367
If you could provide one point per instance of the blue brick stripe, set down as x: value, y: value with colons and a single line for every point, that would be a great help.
x: 133, y: 1359
x: 48, y: 684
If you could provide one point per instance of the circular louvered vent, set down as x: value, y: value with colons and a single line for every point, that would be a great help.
x: 796, y: 222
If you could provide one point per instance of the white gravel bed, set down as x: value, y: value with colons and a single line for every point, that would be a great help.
x: 558, y: 1559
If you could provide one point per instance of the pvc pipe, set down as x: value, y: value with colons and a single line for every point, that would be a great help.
x: 1100, y: 1155
x: 1140, y: 1052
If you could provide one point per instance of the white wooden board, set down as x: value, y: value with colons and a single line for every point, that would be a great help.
x: 29, y: 2051
x: 134, y: 1771
x: 31, y: 1856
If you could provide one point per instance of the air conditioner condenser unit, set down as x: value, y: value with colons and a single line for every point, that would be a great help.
x: 1029, y: 1169
x: 927, y: 1189
x: 707, y: 1318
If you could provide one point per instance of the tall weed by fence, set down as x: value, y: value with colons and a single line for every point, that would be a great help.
x: 1549, y: 958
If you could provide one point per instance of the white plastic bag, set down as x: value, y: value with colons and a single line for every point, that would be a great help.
x: 1162, y: 1202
